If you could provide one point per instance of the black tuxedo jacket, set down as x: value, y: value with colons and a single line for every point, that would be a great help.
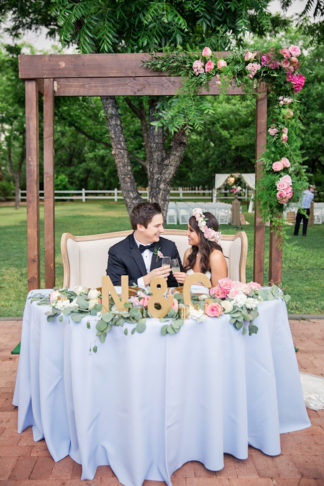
x: 126, y: 259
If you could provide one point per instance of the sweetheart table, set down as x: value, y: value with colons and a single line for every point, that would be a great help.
x: 145, y: 404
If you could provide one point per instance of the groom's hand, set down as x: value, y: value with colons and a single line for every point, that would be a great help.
x: 157, y: 272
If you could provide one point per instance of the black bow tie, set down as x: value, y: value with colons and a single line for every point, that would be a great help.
x: 146, y: 247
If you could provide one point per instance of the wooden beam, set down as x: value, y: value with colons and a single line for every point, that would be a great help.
x: 132, y: 86
x: 32, y: 183
x: 275, y: 257
x: 89, y: 65
x: 49, y: 224
x: 261, y: 138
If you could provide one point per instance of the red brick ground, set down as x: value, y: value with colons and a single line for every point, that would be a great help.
x: 24, y: 462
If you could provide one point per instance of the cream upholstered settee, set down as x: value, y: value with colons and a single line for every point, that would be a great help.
x: 85, y: 257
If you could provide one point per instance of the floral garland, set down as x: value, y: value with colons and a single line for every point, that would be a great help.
x: 238, y: 300
x: 208, y: 233
x: 283, y: 177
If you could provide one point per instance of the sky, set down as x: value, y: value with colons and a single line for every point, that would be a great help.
x: 39, y: 39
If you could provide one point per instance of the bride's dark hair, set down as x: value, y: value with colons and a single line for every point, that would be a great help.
x: 206, y: 246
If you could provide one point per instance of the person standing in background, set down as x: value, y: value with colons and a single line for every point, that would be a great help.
x: 304, y: 210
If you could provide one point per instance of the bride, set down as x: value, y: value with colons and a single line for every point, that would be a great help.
x: 205, y: 254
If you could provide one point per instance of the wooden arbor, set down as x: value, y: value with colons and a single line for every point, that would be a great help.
x: 104, y: 75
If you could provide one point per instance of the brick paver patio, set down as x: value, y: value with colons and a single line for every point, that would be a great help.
x: 24, y: 462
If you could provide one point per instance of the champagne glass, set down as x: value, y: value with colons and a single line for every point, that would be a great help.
x: 166, y: 261
x: 175, y: 265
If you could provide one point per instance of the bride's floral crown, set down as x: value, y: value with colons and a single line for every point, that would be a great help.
x: 208, y: 233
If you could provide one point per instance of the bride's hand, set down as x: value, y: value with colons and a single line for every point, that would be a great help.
x: 180, y: 277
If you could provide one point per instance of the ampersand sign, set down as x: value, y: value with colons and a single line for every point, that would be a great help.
x: 195, y: 278
x: 158, y: 287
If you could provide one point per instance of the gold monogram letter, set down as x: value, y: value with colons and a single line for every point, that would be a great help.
x: 108, y: 288
x: 195, y: 278
x: 158, y: 286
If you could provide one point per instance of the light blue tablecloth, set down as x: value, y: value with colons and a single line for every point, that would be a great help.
x: 145, y: 404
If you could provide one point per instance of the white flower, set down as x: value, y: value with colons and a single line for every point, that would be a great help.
x: 251, y: 303
x: 54, y: 296
x: 203, y: 296
x: 93, y: 294
x: 92, y: 303
x: 63, y: 304
x: 80, y: 290
x: 240, y: 300
x: 227, y: 306
x: 197, y: 314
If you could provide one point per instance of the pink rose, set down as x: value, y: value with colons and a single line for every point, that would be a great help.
x: 135, y: 301
x: 294, y: 50
x: 282, y: 186
x: 144, y: 301
x: 209, y: 66
x: 294, y: 61
x: 289, y: 192
x: 284, y: 138
x: 285, y: 162
x: 288, y: 113
x: 285, y: 130
x: 285, y: 52
x: 218, y: 292
x: 198, y: 67
x: 273, y: 131
x: 221, y: 63
x: 254, y: 286
x: 281, y: 196
x: 277, y: 166
x: 175, y: 305
x: 206, y: 52
x: 286, y: 179
x: 226, y: 284
x: 249, y: 56
x: 297, y: 81
x: 213, y: 309
x: 285, y: 63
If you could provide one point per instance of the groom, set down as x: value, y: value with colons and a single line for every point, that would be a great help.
x: 139, y: 255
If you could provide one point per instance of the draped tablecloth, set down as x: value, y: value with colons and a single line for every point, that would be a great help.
x: 145, y: 403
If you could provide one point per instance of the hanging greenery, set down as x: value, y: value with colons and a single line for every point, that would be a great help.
x: 284, y: 177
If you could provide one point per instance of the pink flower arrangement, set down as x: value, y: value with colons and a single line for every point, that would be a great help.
x: 221, y: 63
x: 284, y: 189
x: 253, y: 68
x: 206, y: 52
x: 198, y: 67
x: 213, y: 309
x: 218, y: 292
x: 269, y: 60
x: 272, y: 131
x: 294, y: 51
x: 209, y: 66
x: 297, y: 81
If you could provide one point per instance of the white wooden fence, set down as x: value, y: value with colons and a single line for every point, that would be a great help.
x: 116, y: 195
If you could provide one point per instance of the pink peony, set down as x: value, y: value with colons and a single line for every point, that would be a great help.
x: 284, y: 138
x: 297, y: 81
x: 144, y: 301
x: 286, y: 179
x: 285, y: 162
x: 206, y: 52
x: 213, y: 309
x: 277, y: 166
x: 221, y: 63
x: 273, y: 131
x: 294, y: 50
x: 175, y: 305
x: 198, y: 67
x: 209, y: 66
x: 249, y: 56
x: 218, y: 292
x: 285, y: 52
x: 226, y: 284
x: 282, y: 186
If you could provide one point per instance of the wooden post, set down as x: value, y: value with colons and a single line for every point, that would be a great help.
x: 32, y: 183
x: 49, y: 225
x: 311, y: 215
x: 261, y: 137
x: 275, y: 257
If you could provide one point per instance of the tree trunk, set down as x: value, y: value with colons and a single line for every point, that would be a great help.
x: 120, y: 153
x: 160, y: 164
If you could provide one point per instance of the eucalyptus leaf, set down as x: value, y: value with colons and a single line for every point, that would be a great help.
x: 107, y: 316
x: 77, y: 316
x: 95, y: 349
x: 141, y: 326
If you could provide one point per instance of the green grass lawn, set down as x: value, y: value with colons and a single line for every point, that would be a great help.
x: 303, y: 262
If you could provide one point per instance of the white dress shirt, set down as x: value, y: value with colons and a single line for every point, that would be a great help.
x: 147, y: 256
